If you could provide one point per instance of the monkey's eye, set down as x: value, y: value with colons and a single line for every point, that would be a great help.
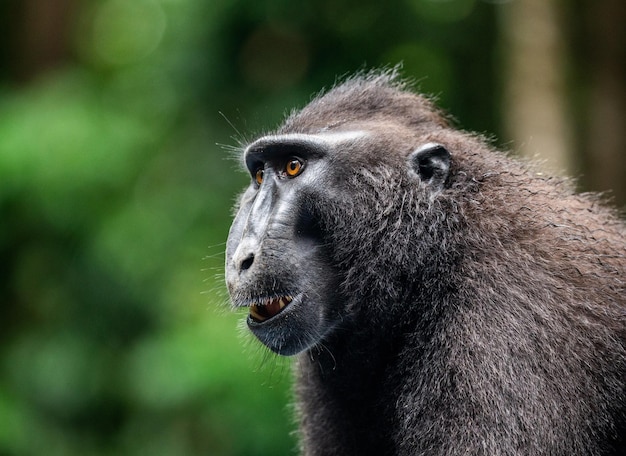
x: 293, y: 167
x: 258, y: 176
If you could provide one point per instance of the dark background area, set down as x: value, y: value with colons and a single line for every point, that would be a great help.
x: 118, y: 122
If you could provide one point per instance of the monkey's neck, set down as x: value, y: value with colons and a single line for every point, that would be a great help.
x: 347, y: 383
x: 344, y: 384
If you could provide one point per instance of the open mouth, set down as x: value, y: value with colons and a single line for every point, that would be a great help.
x: 270, y: 307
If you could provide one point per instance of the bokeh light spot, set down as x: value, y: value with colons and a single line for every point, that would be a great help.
x: 126, y: 31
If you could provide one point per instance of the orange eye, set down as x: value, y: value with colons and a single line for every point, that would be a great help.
x: 258, y: 176
x: 293, y: 168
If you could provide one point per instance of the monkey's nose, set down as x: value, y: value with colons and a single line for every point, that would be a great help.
x: 246, y: 263
x: 244, y: 256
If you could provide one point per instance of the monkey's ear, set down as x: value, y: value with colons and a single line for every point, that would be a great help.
x: 431, y: 162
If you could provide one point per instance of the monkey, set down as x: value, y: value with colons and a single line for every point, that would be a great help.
x: 439, y: 296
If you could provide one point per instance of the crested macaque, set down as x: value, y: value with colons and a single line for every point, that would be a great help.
x: 439, y: 296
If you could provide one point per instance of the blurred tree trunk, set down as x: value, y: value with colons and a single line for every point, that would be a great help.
x: 605, y: 120
x: 542, y: 40
x: 534, y: 86
x: 39, y: 36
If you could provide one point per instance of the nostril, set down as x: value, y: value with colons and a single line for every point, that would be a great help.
x: 247, y: 263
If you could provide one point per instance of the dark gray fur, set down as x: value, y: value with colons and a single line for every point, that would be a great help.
x: 483, y: 315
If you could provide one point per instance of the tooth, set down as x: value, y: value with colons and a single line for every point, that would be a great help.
x: 282, y: 303
x: 255, y: 314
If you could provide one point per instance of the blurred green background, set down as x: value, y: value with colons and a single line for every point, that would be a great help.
x: 118, y: 121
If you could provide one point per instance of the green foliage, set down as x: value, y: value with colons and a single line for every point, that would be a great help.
x: 116, y: 337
